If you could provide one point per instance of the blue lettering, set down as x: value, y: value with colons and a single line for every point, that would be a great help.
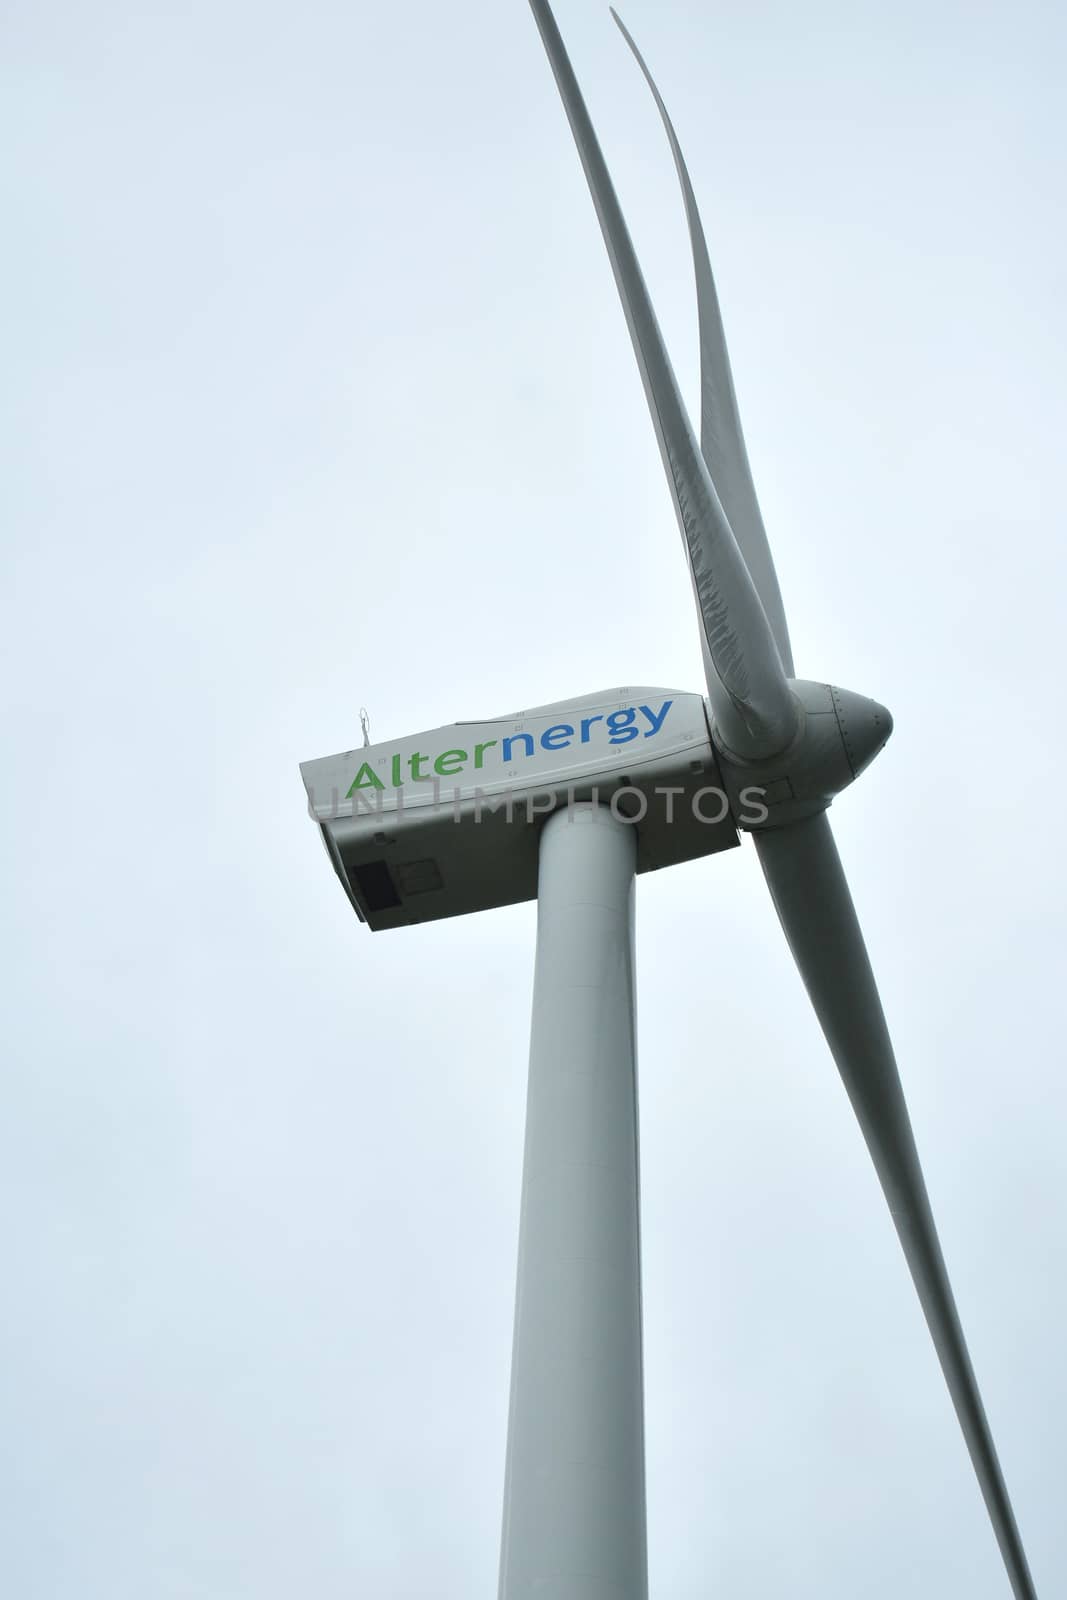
x: 656, y: 723
x: 587, y: 723
x: 557, y: 737
x: 527, y: 737
x: 621, y: 726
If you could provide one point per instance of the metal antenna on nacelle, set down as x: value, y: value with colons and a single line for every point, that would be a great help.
x: 364, y: 722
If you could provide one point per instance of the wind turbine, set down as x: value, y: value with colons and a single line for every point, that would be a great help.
x: 567, y: 802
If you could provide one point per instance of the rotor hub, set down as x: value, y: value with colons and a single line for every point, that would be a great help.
x: 838, y: 735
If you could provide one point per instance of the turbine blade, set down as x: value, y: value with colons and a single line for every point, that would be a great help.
x: 807, y: 882
x: 721, y: 438
x: 754, y: 711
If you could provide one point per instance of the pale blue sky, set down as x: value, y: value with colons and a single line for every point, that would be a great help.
x: 318, y: 394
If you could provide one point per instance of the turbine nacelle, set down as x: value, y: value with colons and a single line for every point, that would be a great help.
x: 838, y: 734
x: 447, y: 822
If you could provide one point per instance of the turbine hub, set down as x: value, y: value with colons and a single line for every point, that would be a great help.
x: 839, y: 733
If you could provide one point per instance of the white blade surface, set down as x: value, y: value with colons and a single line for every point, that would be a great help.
x: 810, y: 893
x: 721, y: 438
x: 754, y: 710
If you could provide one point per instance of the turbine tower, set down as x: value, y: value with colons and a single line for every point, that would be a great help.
x: 566, y: 803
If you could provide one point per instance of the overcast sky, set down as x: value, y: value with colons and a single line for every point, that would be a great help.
x: 319, y: 395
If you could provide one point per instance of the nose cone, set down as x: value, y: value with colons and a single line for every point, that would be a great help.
x: 865, y: 726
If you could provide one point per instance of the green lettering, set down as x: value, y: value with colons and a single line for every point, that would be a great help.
x: 370, y: 781
x: 449, y: 763
x: 480, y: 749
